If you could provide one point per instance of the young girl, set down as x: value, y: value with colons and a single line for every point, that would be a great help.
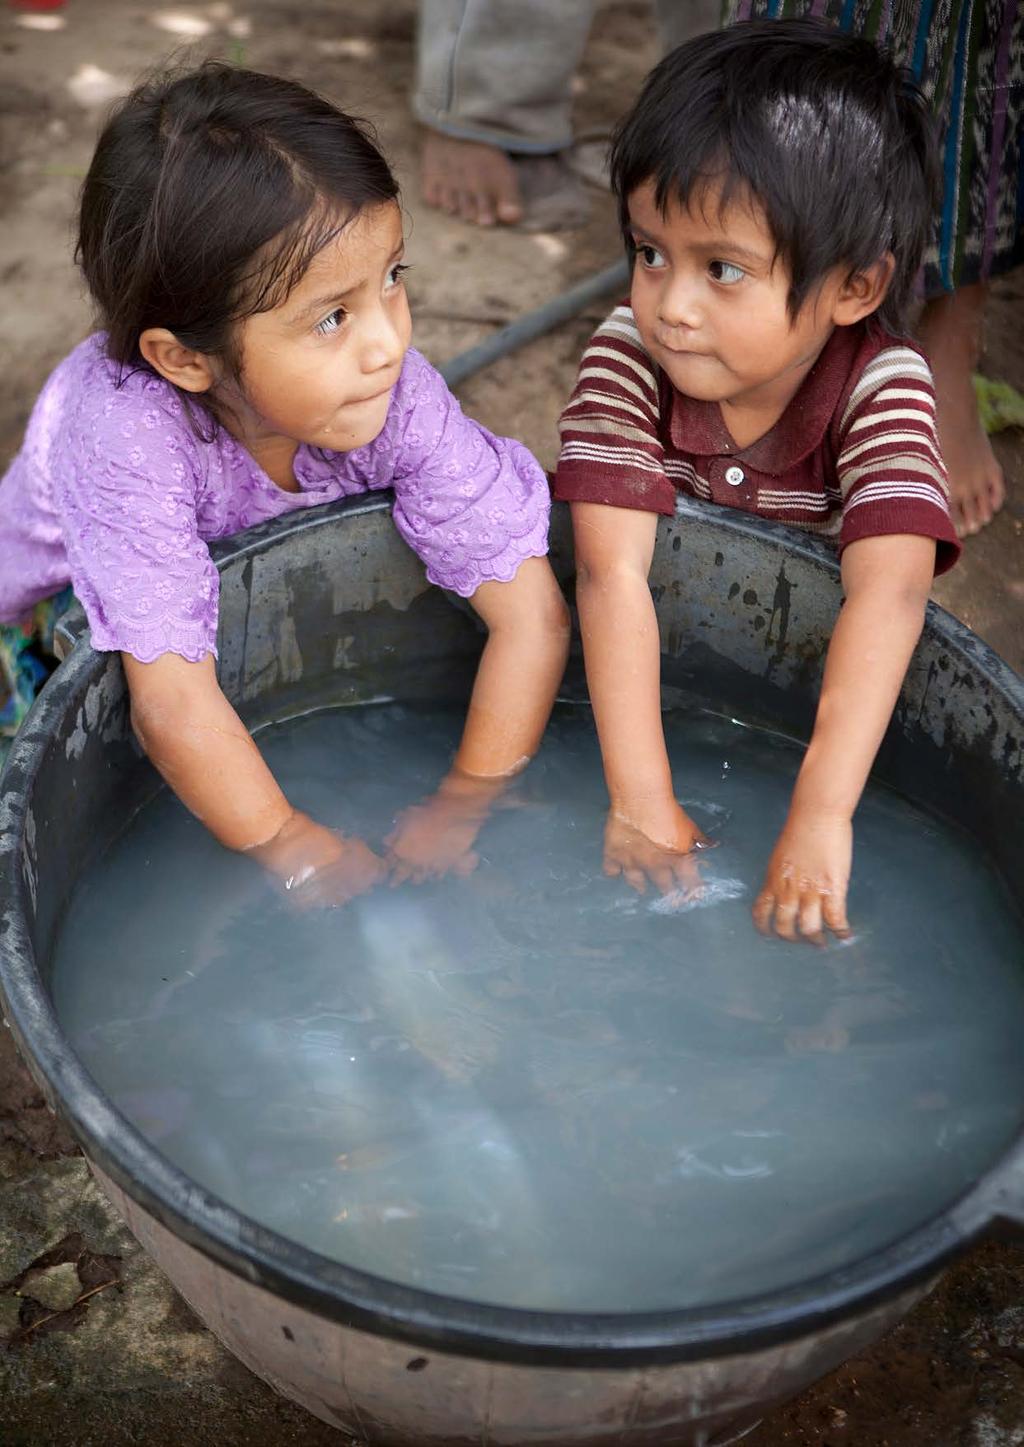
x: 242, y: 239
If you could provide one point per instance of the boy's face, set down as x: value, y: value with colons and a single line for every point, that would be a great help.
x: 709, y: 297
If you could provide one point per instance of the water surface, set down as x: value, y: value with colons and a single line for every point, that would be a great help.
x: 532, y: 1087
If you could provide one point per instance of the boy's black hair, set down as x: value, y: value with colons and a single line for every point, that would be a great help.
x: 208, y: 196
x: 823, y: 129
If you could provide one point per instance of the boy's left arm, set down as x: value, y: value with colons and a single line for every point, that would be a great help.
x: 886, y: 580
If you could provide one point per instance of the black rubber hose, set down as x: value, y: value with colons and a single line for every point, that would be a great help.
x: 534, y: 324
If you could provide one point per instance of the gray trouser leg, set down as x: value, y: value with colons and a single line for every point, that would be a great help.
x: 500, y: 71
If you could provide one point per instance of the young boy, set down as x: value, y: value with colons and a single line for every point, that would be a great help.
x: 775, y: 184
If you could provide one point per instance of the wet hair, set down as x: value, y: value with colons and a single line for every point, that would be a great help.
x: 822, y: 129
x: 209, y: 194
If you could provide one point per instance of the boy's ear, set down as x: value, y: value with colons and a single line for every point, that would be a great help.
x: 863, y: 292
x: 183, y: 366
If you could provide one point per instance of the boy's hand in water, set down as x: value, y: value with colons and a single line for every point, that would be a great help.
x: 886, y: 581
x: 667, y: 860
x: 436, y: 837
x: 319, y: 867
x: 808, y: 876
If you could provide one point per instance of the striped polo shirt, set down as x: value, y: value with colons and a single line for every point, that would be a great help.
x: 854, y: 455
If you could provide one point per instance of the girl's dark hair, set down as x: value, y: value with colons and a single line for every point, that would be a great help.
x: 823, y: 129
x: 208, y: 196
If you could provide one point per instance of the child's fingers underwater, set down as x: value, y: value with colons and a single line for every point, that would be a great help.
x: 433, y: 839
x: 688, y: 877
x: 833, y: 908
x: 810, y: 917
x: 802, y: 915
x: 405, y: 871
x: 354, y: 871
x: 628, y: 852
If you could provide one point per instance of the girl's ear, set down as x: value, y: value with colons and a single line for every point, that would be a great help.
x: 863, y: 292
x: 183, y: 366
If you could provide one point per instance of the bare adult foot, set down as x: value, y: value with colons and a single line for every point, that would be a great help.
x: 950, y: 333
x: 470, y: 180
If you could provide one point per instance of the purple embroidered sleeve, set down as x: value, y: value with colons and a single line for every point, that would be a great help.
x: 472, y: 505
x: 118, y: 482
x: 127, y: 497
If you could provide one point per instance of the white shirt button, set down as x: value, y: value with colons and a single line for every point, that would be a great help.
x: 734, y: 476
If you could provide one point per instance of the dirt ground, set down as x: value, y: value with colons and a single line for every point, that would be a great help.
x: 99, y: 1349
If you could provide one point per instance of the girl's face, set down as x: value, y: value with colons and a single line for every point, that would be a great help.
x: 320, y: 368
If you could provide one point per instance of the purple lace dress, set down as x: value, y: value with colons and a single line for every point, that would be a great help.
x: 113, y: 493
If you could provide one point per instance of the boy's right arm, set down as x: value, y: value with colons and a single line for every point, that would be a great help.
x: 200, y: 746
x: 648, y: 834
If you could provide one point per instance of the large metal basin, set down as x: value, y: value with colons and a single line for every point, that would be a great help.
x: 330, y: 604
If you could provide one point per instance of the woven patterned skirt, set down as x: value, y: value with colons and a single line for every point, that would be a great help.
x: 26, y: 661
x: 968, y: 58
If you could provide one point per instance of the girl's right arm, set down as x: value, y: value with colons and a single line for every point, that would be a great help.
x: 200, y: 746
x: 648, y: 833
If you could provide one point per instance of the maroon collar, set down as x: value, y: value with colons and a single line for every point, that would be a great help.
x: 698, y: 428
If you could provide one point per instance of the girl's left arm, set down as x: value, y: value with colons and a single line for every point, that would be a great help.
x: 475, y: 507
x: 519, y: 673
x: 520, y: 670
x: 886, y: 581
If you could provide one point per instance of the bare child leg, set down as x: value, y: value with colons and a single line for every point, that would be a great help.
x: 950, y: 333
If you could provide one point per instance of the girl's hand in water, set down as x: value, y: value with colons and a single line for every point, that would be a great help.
x: 317, y: 866
x: 436, y: 837
x: 808, y: 876
x: 668, y: 859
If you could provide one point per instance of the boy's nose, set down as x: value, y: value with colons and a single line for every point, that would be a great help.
x: 678, y: 305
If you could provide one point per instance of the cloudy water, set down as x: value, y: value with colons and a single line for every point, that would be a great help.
x: 531, y: 1086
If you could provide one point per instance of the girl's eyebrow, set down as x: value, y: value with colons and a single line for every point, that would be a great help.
x: 334, y: 297
x: 319, y: 302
